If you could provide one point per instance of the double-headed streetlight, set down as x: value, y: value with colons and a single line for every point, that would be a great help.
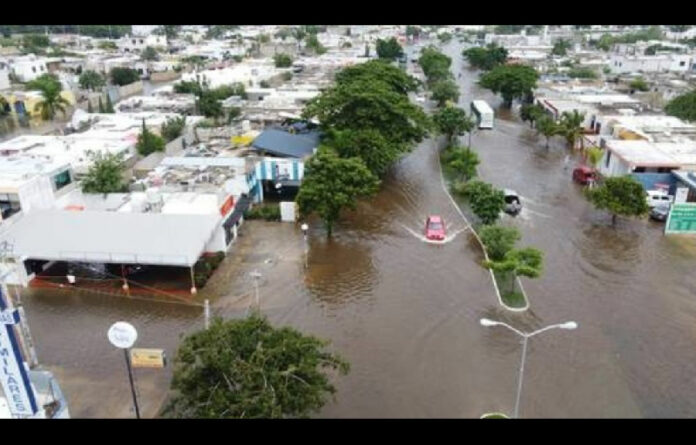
x: 486, y: 322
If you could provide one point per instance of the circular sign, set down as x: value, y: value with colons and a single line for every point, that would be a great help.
x: 122, y: 335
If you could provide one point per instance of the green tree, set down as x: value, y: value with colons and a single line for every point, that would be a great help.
x: 149, y: 53
x: 170, y: 31
x: 526, y: 262
x: 531, y: 113
x: 620, y: 196
x: 444, y: 37
x: 173, y: 128
x: 593, y: 155
x: 107, y: 45
x: 369, y: 104
x: 486, y: 58
x: 389, y: 49
x: 105, y: 174
x: 444, y: 91
x: 371, y: 146
x: 498, y: 240
x: 413, y: 31
x: 91, y: 80
x: 282, y: 60
x: 486, y: 201
x: 148, y: 142
x: 379, y: 71
x: 462, y: 161
x: 210, y: 106
x: 571, y: 127
x: 453, y: 122
x: 683, y: 106
x: 511, y: 81
x: 51, y: 100
x: 639, y: 84
x: 582, y: 73
x: 312, y: 42
x: 123, y: 76
x: 561, y: 47
x: 35, y: 41
x: 547, y: 127
x: 435, y: 65
x: 331, y: 184
x: 247, y: 368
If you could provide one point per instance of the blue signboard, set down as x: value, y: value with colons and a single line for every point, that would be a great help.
x: 13, y: 375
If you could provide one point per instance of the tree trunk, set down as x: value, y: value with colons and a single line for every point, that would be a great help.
x: 329, y: 228
x: 512, y: 282
x: 613, y: 220
x: 547, y: 142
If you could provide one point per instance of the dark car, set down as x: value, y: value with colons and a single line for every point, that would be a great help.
x: 659, y: 213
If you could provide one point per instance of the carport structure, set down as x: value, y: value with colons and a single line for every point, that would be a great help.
x: 112, y: 237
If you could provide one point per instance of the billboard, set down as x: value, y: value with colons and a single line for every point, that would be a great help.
x: 682, y: 219
x: 13, y: 374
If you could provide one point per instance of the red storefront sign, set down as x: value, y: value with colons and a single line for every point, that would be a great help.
x: 227, y: 205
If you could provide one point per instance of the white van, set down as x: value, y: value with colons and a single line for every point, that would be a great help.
x: 484, y: 114
x: 658, y: 198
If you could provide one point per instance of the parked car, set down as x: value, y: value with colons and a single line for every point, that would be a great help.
x: 513, y: 205
x: 660, y: 212
x: 658, y: 197
x: 435, y: 228
x: 584, y: 175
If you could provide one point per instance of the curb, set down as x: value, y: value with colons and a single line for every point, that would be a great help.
x: 485, y: 254
x: 496, y: 413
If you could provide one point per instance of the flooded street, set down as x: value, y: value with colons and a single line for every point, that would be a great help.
x: 405, y: 313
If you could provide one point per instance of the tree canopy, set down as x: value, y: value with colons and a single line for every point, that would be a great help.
x: 498, y: 240
x: 91, y: 80
x: 547, y: 127
x: 683, y: 107
x: 148, y: 142
x: 486, y: 201
x: 444, y: 91
x: 379, y: 70
x: 51, y: 99
x: 150, y: 54
x: 123, y: 76
x: 377, y: 152
x: 435, y: 64
x: 510, y: 81
x: 332, y: 184
x: 571, y: 127
x: 486, y: 58
x: 531, y: 113
x: 248, y: 368
x: 173, y: 127
x: 105, y: 174
x: 389, y: 49
x: 282, y: 60
x: 561, y: 47
x: 452, y: 122
x: 620, y: 196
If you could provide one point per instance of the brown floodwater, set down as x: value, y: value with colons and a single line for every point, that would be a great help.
x: 406, y: 313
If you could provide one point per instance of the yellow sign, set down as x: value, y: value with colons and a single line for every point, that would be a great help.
x: 148, y: 358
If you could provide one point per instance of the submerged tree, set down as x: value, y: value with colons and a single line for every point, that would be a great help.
x: 250, y: 369
x: 620, y: 196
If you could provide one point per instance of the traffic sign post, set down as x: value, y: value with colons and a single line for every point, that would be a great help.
x: 123, y: 336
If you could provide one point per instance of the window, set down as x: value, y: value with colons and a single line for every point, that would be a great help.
x: 42, y: 68
x: 62, y: 179
x: 133, y: 42
x: 9, y: 204
x: 682, y: 63
x: 33, y: 68
x: 606, y: 164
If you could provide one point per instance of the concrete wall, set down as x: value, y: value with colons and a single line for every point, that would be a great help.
x: 130, y: 89
x: 648, y: 180
x: 164, y: 76
x: 616, y: 167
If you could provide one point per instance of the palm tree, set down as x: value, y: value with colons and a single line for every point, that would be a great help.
x: 571, y: 127
x: 51, y: 103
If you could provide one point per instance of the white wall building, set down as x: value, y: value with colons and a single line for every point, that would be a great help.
x: 28, y: 68
x: 677, y: 63
x: 4, y: 76
x: 139, y: 43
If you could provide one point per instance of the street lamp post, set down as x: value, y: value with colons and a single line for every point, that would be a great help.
x: 525, y: 336
x: 305, y: 228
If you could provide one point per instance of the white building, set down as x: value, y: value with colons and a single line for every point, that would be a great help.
x: 138, y: 43
x: 622, y: 157
x: 143, y: 30
x: 677, y: 63
x: 28, y: 68
x: 31, y: 183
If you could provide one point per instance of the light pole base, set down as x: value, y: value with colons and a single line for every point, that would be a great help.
x: 494, y: 415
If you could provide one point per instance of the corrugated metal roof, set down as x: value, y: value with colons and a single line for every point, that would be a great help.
x: 112, y: 237
x: 282, y: 143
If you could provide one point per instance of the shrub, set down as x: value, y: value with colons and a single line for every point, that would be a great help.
x: 282, y: 60
x: 268, y: 212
